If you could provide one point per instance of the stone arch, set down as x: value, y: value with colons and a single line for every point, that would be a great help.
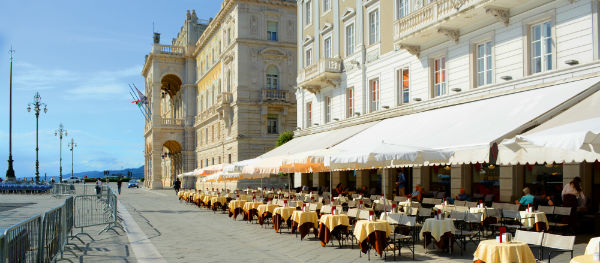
x: 171, y: 162
x: 171, y: 84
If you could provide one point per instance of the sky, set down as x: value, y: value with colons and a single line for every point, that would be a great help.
x: 80, y: 56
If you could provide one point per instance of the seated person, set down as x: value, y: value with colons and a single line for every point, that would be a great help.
x: 526, y: 199
x: 462, y: 196
x: 339, y: 189
x: 418, y: 193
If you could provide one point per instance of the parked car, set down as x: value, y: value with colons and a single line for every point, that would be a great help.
x: 71, y: 180
x: 133, y: 183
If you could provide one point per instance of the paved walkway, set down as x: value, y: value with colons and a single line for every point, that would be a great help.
x: 15, y: 208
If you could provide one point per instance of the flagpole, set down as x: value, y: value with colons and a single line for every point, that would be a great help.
x: 142, y: 112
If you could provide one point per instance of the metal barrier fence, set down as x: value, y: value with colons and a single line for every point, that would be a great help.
x: 63, y: 189
x: 41, y: 238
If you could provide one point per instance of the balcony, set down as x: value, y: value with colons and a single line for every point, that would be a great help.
x: 444, y: 20
x: 327, y: 72
x: 225, y: 98
x: 167, y: 50
x: 275, y: 95
x: 172, y: 123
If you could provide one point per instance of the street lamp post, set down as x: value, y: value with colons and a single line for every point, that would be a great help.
x: 10, y: 173
x: 36, y: 108
x: 60, y: 132
x: 72, y: 145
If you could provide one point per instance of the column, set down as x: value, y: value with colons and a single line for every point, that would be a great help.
x: 511, y: 182
x: 339, y: 177
x: 421, y: 175
x: 388, y: 183
x: 460, y: 177
x: 362, y: 178
x: 155, y: 179
x: 319, y: 179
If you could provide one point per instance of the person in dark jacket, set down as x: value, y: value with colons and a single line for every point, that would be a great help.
x: 177, y: 185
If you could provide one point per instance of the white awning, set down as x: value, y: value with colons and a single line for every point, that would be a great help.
x: 468, y: 129
x: 571, y: 136
x: 300, y: 148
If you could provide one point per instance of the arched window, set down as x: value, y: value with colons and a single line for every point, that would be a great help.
x: 228, y: 81
x: 272, y: 77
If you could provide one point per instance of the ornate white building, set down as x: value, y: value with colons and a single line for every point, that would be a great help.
x: 222, y: 91
x: 361, y: 61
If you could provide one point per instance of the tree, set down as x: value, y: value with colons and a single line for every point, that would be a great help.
x: 285, y: 137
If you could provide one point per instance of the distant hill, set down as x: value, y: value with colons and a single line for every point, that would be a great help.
x: 137, y: 173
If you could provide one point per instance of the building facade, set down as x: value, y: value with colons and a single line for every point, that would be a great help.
x: 222, y: 91
x: 366, y: 60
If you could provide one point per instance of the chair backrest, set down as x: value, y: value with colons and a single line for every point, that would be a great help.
x: 374, y: 197
x: 513, y: 207
x: 471, y: 204
x: 492, y: 212
x: 458, y: 215
x: 326, y: 195
x: 392, y: 218
x: 408, y: 220
x: 489, y: 198
x: 558, y: 242
x: 378, y: 207
x: 367, y: 201
x: 474, y: 218
x: 440, y: 195
x: 529, y: 237
x: 460, y: 203
x: 424, y: 212
x: 312, y: 207
x: 326, y: 209
x: 511, y: 214
x: 562, y: 210
x: 351, y: 203
x: 363, y: 214
x: 497, y: 205
x: 437, y: 201
x: 353, y: 212
x: 354, y: 196
x: 428, y: 201
x: 548, y: 210
x: 400, y: 198
x: 280, y: 202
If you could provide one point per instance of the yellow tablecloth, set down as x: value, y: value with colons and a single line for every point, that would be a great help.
x: 331, y: 221
x: 305, y: 217
x: 266, y: 208
x: 592, y: 246
x: 364, y: 228
x: 529, y: 219
x: 437, y: 228
x: 583, y: 259
x: 233, y: 204
x: 251, y: 205
x: 284, y: 212
x: 206, y: 199
x: 490, y: 251
x: 220, y: 199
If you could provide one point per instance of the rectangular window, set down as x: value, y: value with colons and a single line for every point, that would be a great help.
x: 439, y: 77
x: 327, y: 109
x: 541, y: 47
x: 349, y: 102
x: 327, y: 47
x: 350, y: 40
x: 212, y: 133
x: 326, y: 5
x: 229, y: 158
x: 308, y: 57
x: 402, y: 8
x: 272, y: 124
x: 272, y: 30
x: 308, y: 114
x: 308, y: 11
x: 403, y: 86
x: 484, y: 63
x: 219, y: 159
x: 374, y: 95
x: 374, y: 27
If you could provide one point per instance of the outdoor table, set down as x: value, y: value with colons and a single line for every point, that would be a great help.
x: 332, y: 225
x: 249, y: 209
x: 206, y: 200
x: 235, y: 208
x: 265, y: 211
x: 592, y: 246
x: 491, y: 251
x: 406, y: 206
x: 442, y: 231
x: 282, y: 214
x: 304, y: 221
x: 445, y: 208
x: 217, y: 201
x: 583, y: 259
x: 535, y: 219
x: 372, y: 234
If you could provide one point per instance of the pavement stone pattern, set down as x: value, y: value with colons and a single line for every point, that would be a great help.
x: 180, y: 232
x: 15, y: 208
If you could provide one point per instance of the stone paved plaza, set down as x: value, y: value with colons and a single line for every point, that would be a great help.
x: 160, y: 228
x: 179, y: 232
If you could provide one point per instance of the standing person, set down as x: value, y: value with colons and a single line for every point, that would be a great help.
x: 98, y: 188
x: 572, y: 194
x: 401, y: 184
x: 177, y: 185
x: 119, y: 182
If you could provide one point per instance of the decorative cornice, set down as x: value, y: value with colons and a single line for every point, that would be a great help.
x: 452, y: 34
x: 501, y: 14
x: 348, y: 13
x: 326, y: 28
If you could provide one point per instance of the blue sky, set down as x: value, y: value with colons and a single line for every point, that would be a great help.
x: 80, y: 56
